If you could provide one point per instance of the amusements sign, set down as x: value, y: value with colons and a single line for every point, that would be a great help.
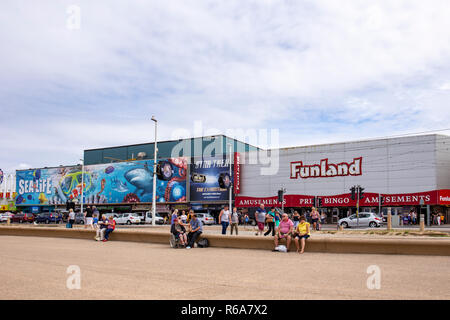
x: 122, y: 182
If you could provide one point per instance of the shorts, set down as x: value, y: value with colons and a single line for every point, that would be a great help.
x: 305, y: 236
x: 261, y: 226
x: 314, y: 220
x: 283, y: 235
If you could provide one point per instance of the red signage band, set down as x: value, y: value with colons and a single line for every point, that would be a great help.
x: 344, y: 200
x: 326, y: 170
x: 444, y: 197
x: 237, y: 173
x: 289, y: 201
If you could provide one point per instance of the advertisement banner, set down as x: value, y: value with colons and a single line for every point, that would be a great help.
x: 210, y: 180
x: 237, y: 173
x: 121, y: 182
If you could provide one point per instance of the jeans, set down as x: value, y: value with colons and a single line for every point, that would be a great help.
x: 224, y: 227
x: 192, y: 237
x: 234, y: 225
x: 107, y: 233
x: 271, y: 226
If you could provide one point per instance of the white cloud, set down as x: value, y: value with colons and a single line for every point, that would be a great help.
x: 369, y: 69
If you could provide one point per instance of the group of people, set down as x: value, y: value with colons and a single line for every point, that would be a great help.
x: 180, y: 225
x: 103, y: 226
x: 283, y: 227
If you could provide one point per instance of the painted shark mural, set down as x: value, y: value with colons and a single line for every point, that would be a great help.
x: 122, y: 182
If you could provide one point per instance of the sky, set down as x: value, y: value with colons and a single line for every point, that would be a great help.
x: 78, y: 75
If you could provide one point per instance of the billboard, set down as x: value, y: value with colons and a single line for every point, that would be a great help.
x: 122, y: 182
x: 210, y: 180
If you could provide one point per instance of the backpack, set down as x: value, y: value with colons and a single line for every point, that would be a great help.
x: 203, y: 243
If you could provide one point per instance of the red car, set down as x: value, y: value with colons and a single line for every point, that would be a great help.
x: 23, y: 217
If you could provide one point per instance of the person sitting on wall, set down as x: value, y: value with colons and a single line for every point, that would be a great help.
x: 302, y: 233
x: 196, y: 229
x: 284, y: 231
x: 111, y: 226
x: 179, y: 231
x: 102, y: 225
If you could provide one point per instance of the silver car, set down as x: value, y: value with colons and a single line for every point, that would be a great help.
x: 366, y: 219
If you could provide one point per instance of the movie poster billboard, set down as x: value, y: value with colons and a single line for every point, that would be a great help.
x: 210, y: 180
x: 121, y: 182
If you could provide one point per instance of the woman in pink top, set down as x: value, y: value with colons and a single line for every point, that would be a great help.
x: 284, y: 231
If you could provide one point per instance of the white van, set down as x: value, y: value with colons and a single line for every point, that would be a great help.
x: 148, y: 218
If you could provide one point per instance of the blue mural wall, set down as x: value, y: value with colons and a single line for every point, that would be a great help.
x: 123, y: 182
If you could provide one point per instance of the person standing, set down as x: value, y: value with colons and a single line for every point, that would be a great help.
x: 174, y: 216
x: 71, y: 217
x: 234, y: 220
x: 260, y: 217
x: 224, y: 219
x: 270, y: 222
x: 88, y: 218
x: 196, y: 227
x: 315, y: 216
x: 296, y: 219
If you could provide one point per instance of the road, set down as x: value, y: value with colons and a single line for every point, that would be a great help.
x: 35, y: 268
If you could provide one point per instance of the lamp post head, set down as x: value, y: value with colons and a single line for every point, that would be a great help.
x: 154, y: 119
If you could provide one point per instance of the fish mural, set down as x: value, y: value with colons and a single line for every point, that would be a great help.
x: 118, y: 185
x: 142, y: 179
x: 123, y: 182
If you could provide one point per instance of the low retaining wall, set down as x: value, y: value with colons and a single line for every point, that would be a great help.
x: 439, y: 247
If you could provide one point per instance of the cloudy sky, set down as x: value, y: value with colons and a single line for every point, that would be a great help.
x: 319, y: 71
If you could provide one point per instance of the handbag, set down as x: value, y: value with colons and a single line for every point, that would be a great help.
x: 269, y: 219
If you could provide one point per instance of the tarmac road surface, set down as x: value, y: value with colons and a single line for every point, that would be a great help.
x: 36, y: 268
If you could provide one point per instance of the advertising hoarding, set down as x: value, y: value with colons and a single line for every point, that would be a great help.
x: 210, y: 180
x: 122, y: 182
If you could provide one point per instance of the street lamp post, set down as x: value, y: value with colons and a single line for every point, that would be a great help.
x: 154, y: 173
x: 82, y: 185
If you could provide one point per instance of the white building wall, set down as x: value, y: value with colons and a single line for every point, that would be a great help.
x: 398, y: 165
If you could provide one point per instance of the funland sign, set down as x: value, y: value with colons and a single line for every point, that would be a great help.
x: 325, y: 169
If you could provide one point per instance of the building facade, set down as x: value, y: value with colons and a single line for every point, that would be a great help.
x: 401, y: 172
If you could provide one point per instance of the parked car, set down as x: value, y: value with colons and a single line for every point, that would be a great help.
x: 148, y: 218
x: 4, y: 216
x: 127, y: 218
x: 23, y: 217
x: 79, y: 218
x: 49, y: 217
x: 205, y: 218
x: 366, y: 219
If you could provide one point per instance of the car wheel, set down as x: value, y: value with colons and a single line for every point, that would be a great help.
x: 253, y: 223
x: 372, y: 224
x: 128, y: 222
x: 47, y: 221
x: 344, y: 224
